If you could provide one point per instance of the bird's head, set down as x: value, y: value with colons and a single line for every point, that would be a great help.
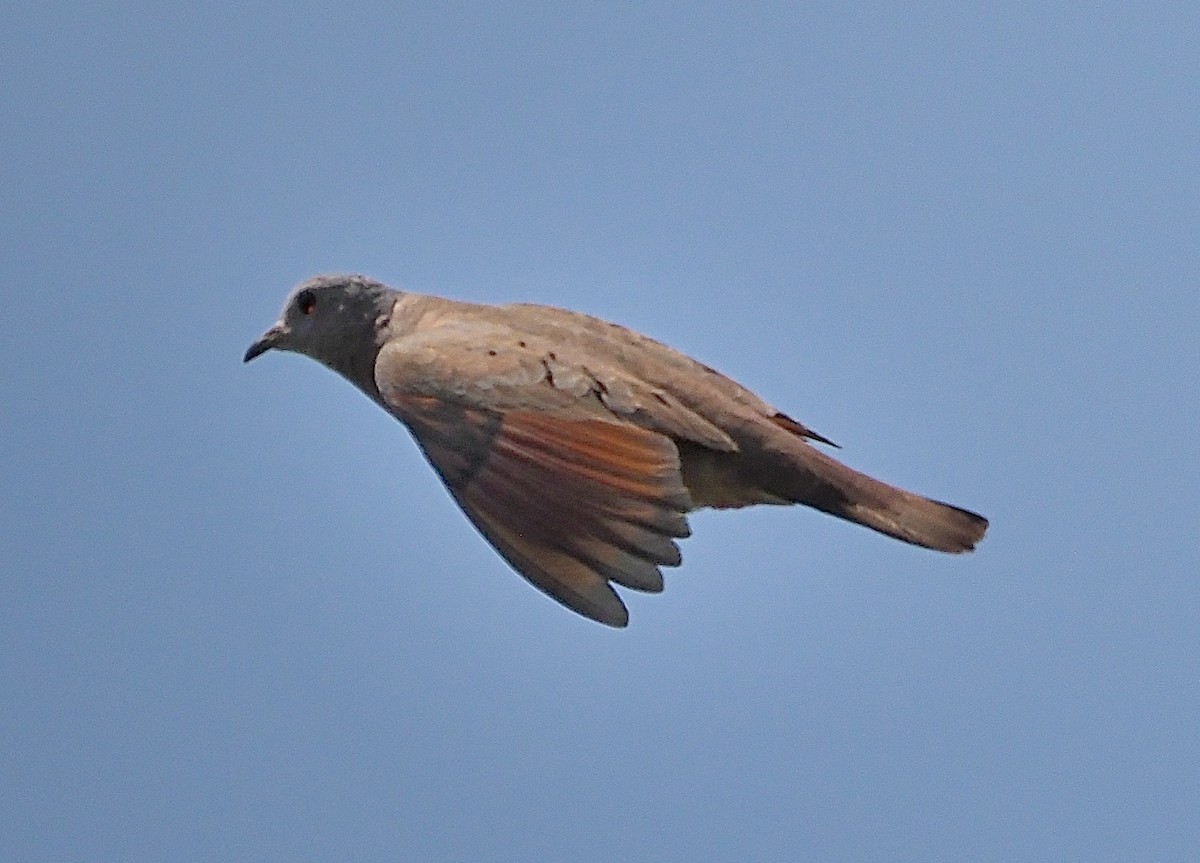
x: 334, y: 319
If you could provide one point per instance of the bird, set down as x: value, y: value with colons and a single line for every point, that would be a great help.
x: 578, y: 447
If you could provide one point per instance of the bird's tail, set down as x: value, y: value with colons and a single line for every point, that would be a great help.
x: 822, y: 482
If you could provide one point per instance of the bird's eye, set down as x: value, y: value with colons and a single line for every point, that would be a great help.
x: 306, y: 301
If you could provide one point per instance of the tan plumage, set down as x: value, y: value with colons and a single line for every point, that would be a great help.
x: 577, y: 446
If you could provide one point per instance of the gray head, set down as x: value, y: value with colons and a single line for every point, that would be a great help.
x: 335, y: 319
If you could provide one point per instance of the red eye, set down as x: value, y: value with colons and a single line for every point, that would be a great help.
x: 306, y: 301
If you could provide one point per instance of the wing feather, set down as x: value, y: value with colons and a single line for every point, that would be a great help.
x: 572, y: 503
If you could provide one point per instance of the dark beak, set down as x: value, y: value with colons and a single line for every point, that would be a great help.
x: 268, y: 340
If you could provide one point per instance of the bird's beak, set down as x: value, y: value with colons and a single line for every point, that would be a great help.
x: 266, y: 341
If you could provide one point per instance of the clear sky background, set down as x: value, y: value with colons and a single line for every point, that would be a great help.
x: 241, y: 619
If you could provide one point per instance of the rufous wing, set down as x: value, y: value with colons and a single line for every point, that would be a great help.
x: 573, y: 503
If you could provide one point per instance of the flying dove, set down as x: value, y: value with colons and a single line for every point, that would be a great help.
x: 577, y: 447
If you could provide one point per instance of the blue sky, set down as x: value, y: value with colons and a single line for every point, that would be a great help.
x: 243, y: 621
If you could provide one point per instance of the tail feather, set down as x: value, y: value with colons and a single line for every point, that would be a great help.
x: 830, y: 486
x: 788, y: 470
x: 921, y: 521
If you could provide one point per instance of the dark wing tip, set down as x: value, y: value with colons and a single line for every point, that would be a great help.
x: 786, y: 422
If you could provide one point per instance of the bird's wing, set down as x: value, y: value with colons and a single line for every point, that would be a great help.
x: 571, y: 495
